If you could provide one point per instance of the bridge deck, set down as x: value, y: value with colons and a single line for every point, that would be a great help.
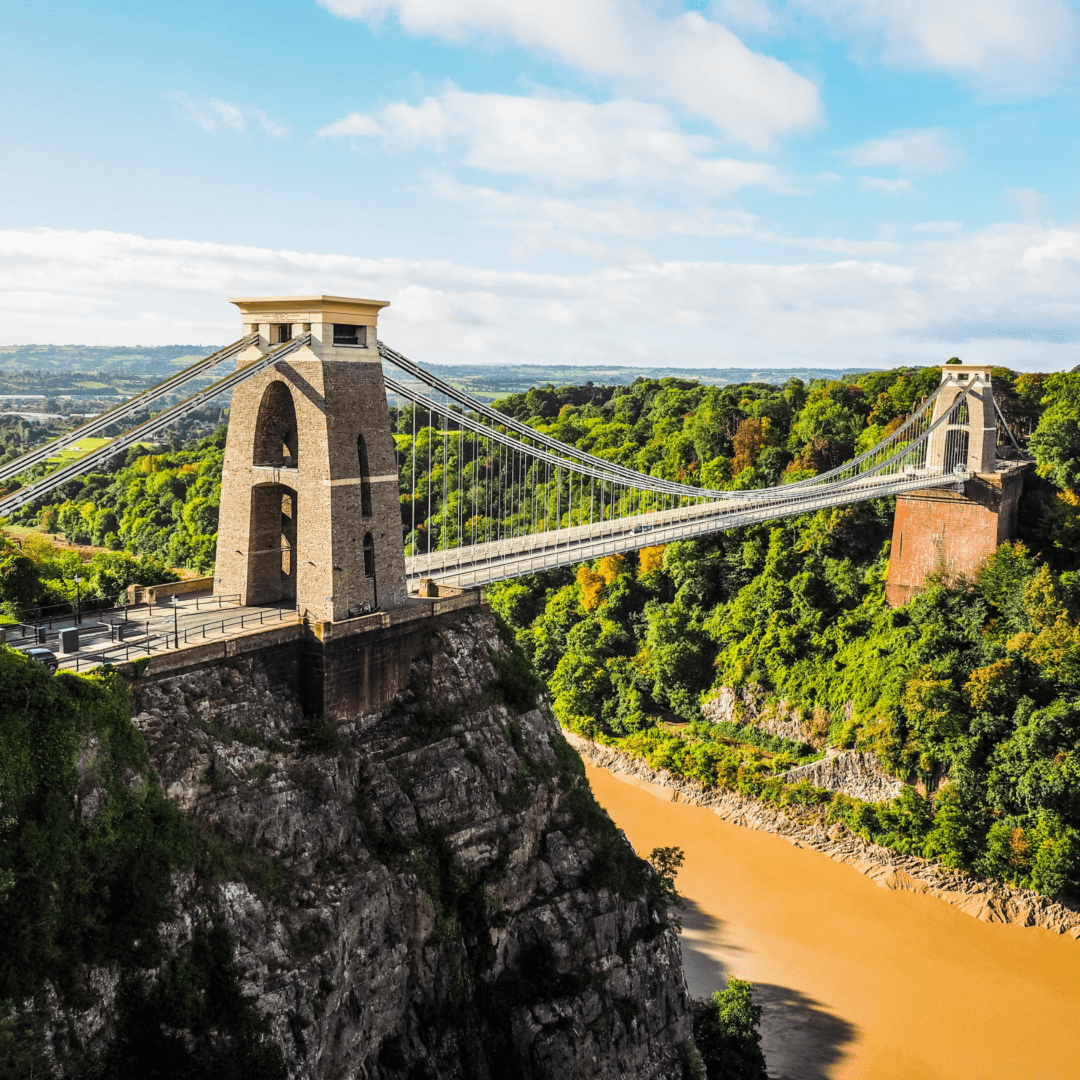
x: 532, y: 552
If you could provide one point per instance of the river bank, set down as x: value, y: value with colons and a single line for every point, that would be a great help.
x: 857, y: 982
x: 988, y: 900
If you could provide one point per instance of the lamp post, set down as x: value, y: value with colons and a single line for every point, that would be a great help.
x: 78, y: 602
x: 176, y: 620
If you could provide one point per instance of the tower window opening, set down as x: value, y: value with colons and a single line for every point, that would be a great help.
x: 283, y: 333
x: 365, y: 477
x: 369, y: 556
x: 349, y: 334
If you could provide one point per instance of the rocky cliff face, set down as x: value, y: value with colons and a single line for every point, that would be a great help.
x: 429, y: 891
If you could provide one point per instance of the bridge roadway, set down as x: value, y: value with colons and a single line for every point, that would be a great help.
x: 497, y: 560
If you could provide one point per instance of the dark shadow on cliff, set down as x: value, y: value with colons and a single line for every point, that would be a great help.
x: 801, y: 1040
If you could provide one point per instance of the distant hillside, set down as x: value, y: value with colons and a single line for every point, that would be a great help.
x: 490, y: 380
x: 56, y: 368
x: 106, y: 359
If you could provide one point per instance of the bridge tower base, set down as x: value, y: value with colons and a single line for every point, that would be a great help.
x: 950, y: 534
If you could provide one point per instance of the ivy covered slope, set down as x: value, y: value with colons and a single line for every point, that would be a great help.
x: 429, y: 891
x: 88, y: 847
x: 972, y: 694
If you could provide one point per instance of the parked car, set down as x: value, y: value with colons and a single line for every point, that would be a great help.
x: 44, y: 656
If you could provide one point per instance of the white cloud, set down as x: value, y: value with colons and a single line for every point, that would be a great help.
x: 212, y: 115
x: 688, y: 59
x: 879, y: 183
x: 559, y: 224
x: 564, y: 142
x: 746, y: 15
x: 1028, y: 201
x: 924, y: 151
x: 1013, y: 290
x: 1006, y: 44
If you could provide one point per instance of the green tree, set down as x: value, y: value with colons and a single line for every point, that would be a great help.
x: 727, y: 1035
x: 1056, y: 440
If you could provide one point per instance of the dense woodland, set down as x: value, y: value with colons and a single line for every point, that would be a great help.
x: 971, y: 690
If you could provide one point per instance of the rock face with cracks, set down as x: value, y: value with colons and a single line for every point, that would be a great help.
x: 439, y: 899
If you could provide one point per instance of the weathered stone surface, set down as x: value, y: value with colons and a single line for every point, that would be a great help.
x: 751, y: 706
x: 986, y: 899
x: 853, y: 773
x: 359, y: 973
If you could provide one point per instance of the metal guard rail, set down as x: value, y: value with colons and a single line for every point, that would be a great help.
x: 109, y: 656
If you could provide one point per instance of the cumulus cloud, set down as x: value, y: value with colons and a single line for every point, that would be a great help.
x: 688, y: 59
x: 1004, y: 44
x: 560, y: 141
x: 212, y: 115
x: 925, y: 151
x: 545, y: 222
x: 1014, y: 288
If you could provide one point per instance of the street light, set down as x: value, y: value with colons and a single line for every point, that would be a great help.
x: 175, y: 620
x: 78, y: 602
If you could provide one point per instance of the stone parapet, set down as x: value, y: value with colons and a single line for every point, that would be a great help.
x: 338, y: 670
x: 153, y: 594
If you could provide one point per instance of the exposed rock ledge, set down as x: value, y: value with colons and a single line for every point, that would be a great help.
x: 988, y: 900
x: 854, y: 773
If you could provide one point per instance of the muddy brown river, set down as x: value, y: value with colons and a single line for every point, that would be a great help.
x: 857, y: 982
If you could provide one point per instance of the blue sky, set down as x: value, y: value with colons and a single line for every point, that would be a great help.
x: 836, y: 182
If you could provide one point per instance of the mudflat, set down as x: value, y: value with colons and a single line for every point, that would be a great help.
x: 857, y: 982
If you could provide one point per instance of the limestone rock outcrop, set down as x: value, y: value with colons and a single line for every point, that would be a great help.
x: 750, y: 705
x: 853, y: 773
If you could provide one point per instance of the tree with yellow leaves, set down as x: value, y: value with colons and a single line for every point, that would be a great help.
x: 649, y: 560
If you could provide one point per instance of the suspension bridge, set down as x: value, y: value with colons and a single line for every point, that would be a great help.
x: 355, y: 479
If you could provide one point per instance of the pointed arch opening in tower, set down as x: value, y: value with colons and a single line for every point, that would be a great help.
x: 956, y: 449
x: 276, y: 436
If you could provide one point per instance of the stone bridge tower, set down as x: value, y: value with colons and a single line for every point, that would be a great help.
x: 309, y: 489
x: 951, y: 532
